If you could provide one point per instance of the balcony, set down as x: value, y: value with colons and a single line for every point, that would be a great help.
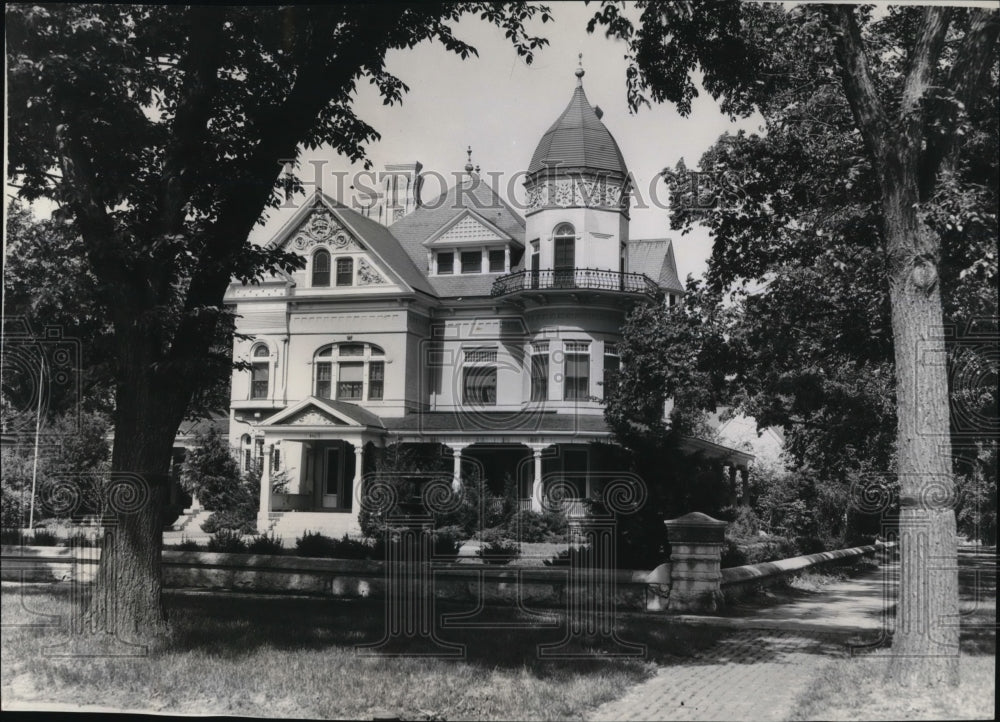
x: 572, y: 279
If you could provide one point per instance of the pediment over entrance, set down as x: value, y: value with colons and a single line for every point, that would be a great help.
x: 313, y: 411
x: 313, y: 417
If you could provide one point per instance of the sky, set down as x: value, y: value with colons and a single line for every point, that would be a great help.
x: 501, y: 106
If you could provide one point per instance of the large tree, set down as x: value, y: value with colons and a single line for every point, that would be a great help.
x: 160, y: 131
x: 910, y: 80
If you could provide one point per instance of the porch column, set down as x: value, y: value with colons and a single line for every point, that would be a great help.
x: 264, y: 512
x: 357, y: 491
x: 456, y: 480
x: 536, y: 482
x: 744, y: 486
x: 732, y: 484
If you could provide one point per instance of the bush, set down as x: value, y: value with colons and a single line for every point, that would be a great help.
x: 498, y: 548
x: 80, y: 539
x: 227, y: 540
x: 739, y: 551
x: 44, y: 538
x: 266, y: 543
x: 237, y: 520
x: 188, y: 545
x: 447, y: 541
x: 315, y: 544
x: 10, y: 536
x: 533, y: 526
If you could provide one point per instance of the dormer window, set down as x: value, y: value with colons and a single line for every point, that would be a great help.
x: 497, y: 261
x: 472, y: 261
x: 445, y: 263
x: 321, y: 268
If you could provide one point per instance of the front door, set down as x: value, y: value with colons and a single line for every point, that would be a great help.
x: 332, y: 478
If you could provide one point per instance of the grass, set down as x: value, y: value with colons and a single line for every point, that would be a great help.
x: 854, y: 689
x: 285, y: 657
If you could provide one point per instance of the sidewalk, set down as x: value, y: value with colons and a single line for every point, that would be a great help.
x: 781, y: 642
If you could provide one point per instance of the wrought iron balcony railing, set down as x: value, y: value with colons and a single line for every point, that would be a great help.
x: 574, y: 278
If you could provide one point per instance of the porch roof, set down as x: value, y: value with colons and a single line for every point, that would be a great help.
x: 494, y: 422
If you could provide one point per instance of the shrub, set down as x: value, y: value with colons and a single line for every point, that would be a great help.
x: 314, y: 544
x: 227, y: 540
x: 497, y: 548
x: 447, y: 541
x: 80, y: 539
x: 266, y: 543
x: 533, y: 526
x: 44, y: 538
x: 238, y: 520
x: 756, y: 550
x: 188, y: 545
x: 10, y: 536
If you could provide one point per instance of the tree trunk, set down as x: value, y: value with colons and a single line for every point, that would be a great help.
x: 925, y: 642
x: 127, y: 602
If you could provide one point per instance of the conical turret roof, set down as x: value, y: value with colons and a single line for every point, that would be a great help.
x: 578, y: 140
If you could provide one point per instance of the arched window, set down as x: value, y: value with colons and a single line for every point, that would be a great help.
x: 260, y: 372
x: 345, y: 271
x: 321, y: 268
x: 350, y: 372
x: 563, y: 254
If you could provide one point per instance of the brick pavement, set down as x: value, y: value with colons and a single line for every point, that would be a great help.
x: 752, y: 674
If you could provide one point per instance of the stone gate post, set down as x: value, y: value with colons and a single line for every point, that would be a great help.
x: 696, y: 541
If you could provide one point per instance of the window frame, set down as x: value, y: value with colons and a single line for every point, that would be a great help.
x: 478, y: 266
x: 611, y: 351
x: 338, y: 274
x: 539, y: 370
x: 479, y: 361
x: 316, y: 273
x: 576, y: 349
x: 260, y: 364
x: 328, y: 363
x: 451, y: 264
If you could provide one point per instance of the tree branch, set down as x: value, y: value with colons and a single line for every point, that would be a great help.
x: 965, y: 80
x: 856, y: 78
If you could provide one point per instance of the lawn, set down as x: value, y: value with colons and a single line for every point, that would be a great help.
x: 854, y: 688
x: 296, y: 657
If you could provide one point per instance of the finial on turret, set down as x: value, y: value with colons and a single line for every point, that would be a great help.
x: 468, y: 165
x: 579, y: 71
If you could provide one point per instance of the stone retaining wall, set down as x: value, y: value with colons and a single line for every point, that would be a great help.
x: 738, y: 582
x: 544, y: 587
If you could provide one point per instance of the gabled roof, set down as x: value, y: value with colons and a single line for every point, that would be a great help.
x: 346, y: 413
x: 578, y: 139
x: 374, y: 236
x: 475, y: 221
x: 473, y: 194
x: 654, y: 257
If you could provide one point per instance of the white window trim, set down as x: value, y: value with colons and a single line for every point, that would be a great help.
x: 335, y: 360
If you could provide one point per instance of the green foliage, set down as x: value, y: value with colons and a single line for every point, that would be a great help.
x: 227, y: 540
x: 266, y: 543
x: 188, y: 545
x: 407, y: 471
x: 533, y: 526
x: 740, y: 550
x: 976, y: 491
x: 498, y: 548
x: 211, y: 472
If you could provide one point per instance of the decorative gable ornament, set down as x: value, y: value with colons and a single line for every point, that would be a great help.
x: 314, y: 417
x: 367, y: 275
x: 323, y: 228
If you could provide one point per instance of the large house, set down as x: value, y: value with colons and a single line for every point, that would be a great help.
x: 455, y: 322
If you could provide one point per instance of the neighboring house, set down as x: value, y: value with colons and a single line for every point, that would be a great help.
x: 765, y: 444
x: 461, y: 324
